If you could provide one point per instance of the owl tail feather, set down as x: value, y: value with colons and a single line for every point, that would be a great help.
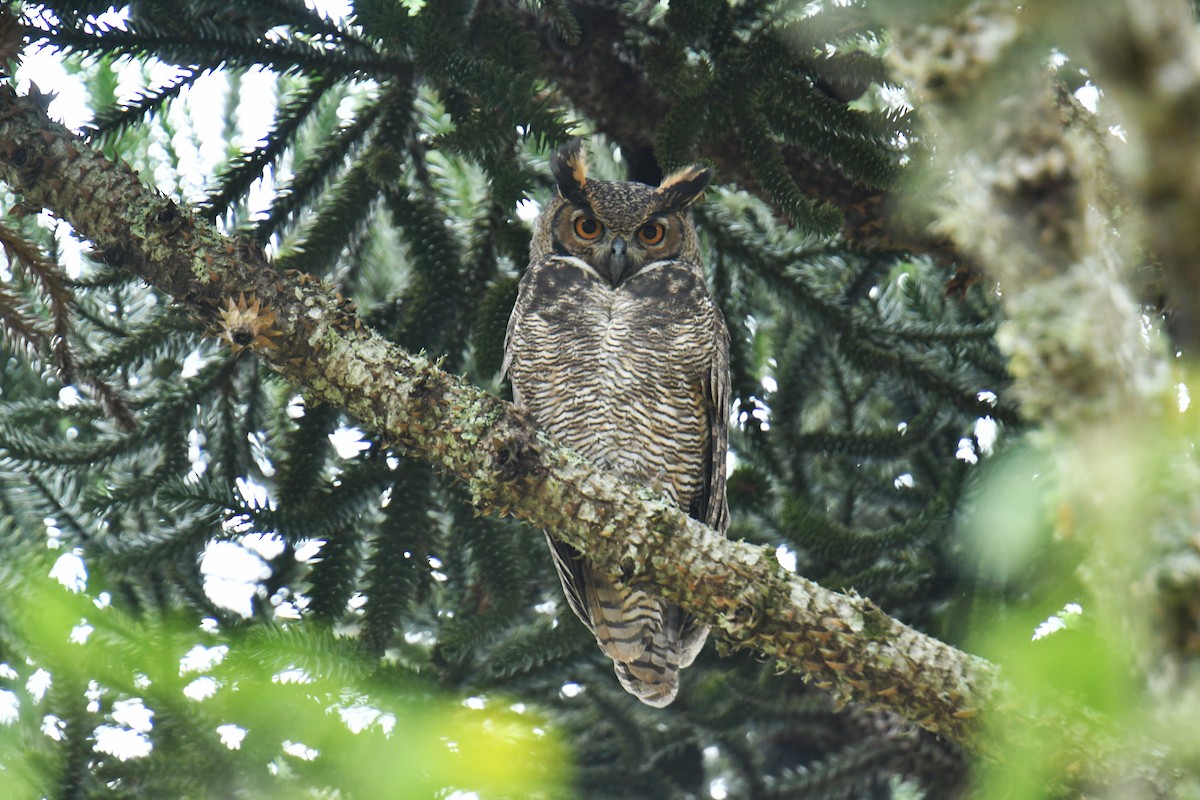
x: 621, y: 617
x: 647, y: 639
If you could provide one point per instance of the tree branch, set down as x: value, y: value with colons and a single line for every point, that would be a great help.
x: 1021, y: 181
x: 841, y: 641
x: 1020, y: 184
x: 1146, y: 55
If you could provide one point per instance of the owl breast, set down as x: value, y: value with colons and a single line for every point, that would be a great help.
x: 617, y: 374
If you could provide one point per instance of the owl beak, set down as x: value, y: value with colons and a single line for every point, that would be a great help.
x: 618, y: 261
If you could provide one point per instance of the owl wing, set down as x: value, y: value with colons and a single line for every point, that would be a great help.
x: 712, y: 506
x: 511, y: 337
x: 569, y: 565
x: 576, y: 576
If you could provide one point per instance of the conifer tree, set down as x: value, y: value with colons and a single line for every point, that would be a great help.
x: 955, y: 416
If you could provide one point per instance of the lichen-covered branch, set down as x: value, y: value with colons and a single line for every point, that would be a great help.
x: 1023, y: 174
x: 1022, y: 181
x: 311, y: 336
x: 1148, y: 59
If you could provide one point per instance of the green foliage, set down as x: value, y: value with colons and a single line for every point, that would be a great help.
x: 399, y: 577
x: 487, y: 340
x: 248, y: 167
x: 854, y: 361
x: 192, y: 693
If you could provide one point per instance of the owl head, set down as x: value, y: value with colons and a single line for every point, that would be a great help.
x: 618, y: 227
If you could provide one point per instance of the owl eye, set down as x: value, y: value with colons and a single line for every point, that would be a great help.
x: 651, y: 233
x: 588, y: 228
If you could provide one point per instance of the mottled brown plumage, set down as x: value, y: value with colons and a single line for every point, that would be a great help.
x: 617, y: 349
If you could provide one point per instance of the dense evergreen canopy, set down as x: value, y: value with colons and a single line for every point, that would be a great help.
x: 952, y: 285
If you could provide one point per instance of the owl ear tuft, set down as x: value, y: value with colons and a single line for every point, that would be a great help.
x: 570, y: 167
x: 684, y: 186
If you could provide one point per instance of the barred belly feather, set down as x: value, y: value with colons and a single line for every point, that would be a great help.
x: 621, y: 379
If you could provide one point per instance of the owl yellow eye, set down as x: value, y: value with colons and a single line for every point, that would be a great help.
x: 588, y: 228
x: 651, y: 233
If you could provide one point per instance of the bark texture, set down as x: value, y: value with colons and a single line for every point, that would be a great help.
x: 1148, y: 59
x: 1025, y: 181
x: 1021, y: 183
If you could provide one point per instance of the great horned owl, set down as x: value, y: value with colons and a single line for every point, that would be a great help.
x: 618, y: 351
